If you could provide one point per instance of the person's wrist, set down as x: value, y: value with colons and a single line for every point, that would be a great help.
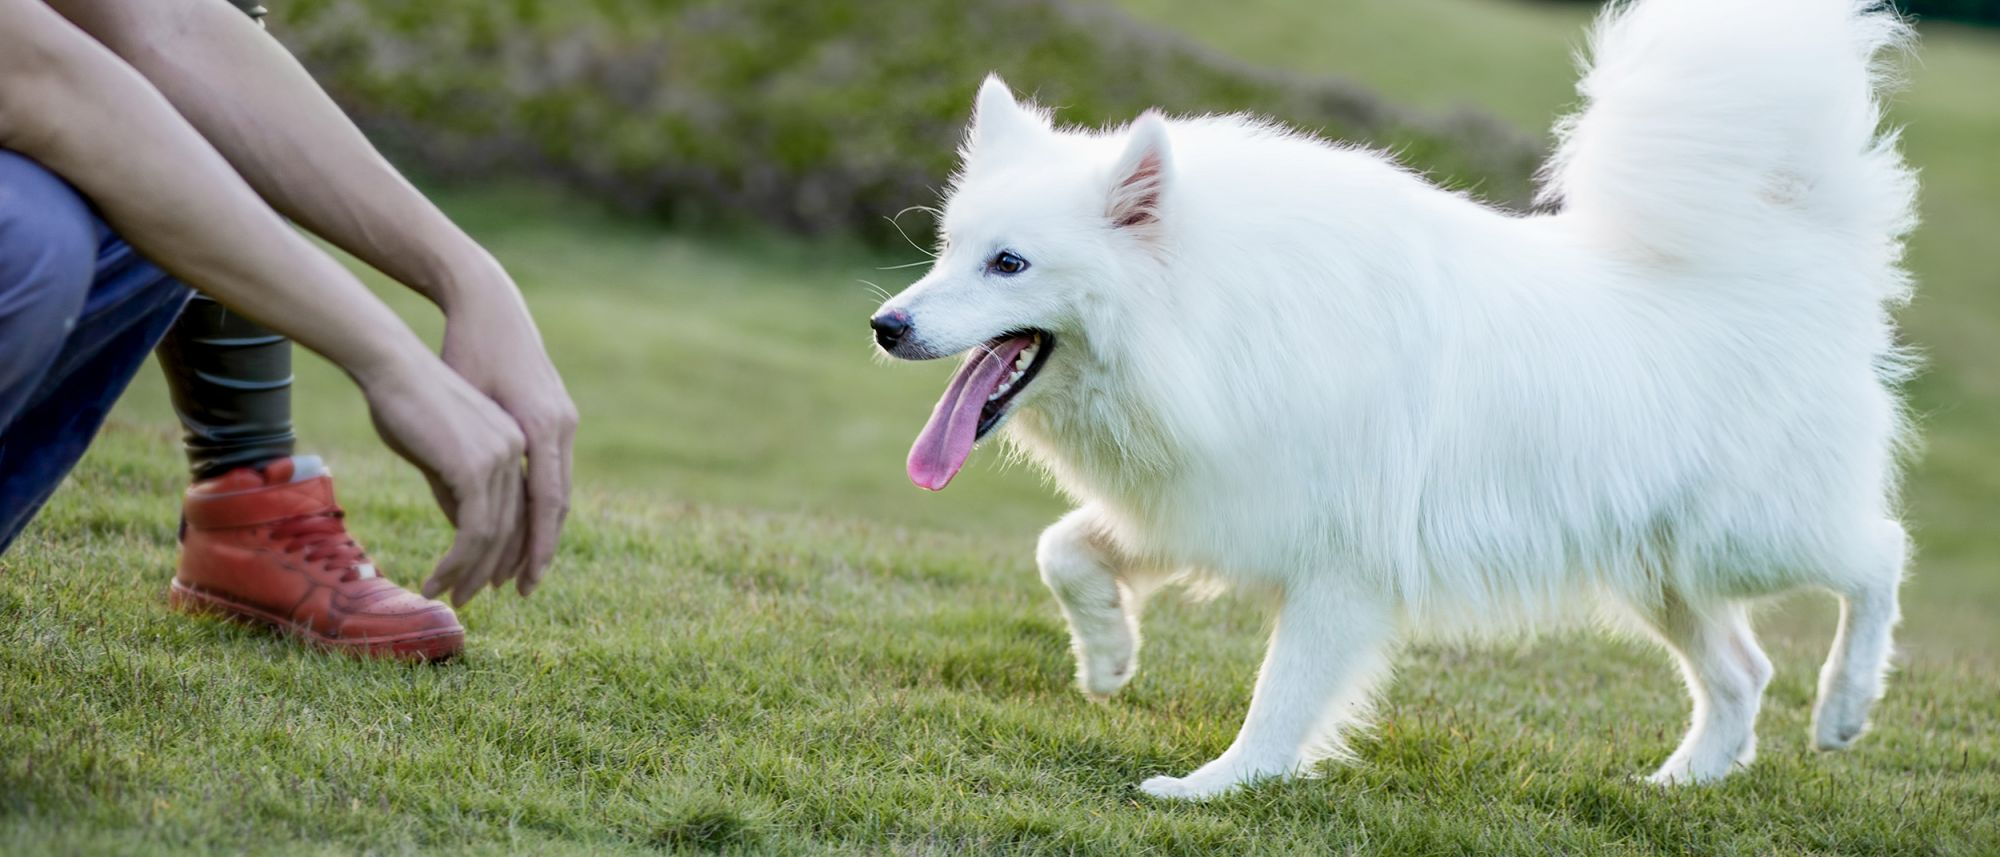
x: 465, y: 276
x: 397, y: 361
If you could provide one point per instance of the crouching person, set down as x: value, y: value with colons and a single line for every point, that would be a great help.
x: 127, y: 169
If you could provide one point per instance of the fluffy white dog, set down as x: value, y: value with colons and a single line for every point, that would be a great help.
x: 1255, y: 357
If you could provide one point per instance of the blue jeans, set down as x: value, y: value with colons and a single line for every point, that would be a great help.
x: 79, y: 311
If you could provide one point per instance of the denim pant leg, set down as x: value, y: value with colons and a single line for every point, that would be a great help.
x: 79, y: 312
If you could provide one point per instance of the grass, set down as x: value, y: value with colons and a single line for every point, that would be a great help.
x: 760, y: 639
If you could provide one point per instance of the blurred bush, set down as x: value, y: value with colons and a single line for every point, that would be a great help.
x: 815, y: 115
x: 1972, y: 11
x: 1978, y: 11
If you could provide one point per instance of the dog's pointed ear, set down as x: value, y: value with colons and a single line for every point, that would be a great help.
x: 1139, y: 181
x: 999, y: 121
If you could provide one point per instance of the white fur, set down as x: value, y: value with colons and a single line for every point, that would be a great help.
x: 1414, y: 416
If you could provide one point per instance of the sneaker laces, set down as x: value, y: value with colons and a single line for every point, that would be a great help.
x: 322, y: 537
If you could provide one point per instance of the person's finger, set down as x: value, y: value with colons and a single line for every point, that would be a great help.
x: 546, y: 500
x: 490, y: 539
x: 517, y: 552
x: 450, y: 568
x: 497, y: 527
x: 559, y: 463
x: 467, y: 547
x: 522, y: 552
x: 499, y: 474
x: 442, y: 493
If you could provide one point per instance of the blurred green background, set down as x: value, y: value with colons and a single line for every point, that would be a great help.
x: 760, y: 637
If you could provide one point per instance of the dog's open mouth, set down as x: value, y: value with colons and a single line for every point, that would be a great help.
x: 976, y: 403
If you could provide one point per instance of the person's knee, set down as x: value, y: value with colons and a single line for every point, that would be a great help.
x: 48, y: 253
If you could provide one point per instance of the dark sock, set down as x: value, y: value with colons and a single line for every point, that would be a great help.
x: 231, y: 380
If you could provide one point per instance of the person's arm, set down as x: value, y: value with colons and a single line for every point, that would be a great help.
x: 257, y: 106
x: 73, y: 106
x: 253, y: 101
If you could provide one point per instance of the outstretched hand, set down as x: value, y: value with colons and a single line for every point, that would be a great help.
x: 470, y: 450
x: 492, y: 343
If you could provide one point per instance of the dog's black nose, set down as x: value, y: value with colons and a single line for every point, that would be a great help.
x: 890, y: 328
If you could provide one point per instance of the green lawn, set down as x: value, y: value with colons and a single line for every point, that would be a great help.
x: 761, y: 639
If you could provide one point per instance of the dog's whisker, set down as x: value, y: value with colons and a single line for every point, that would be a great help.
x: 883, y: 293
x: 893, y: 221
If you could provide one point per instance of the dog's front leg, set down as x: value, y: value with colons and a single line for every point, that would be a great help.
x: 1329, y: 646
x: 1099, y: 591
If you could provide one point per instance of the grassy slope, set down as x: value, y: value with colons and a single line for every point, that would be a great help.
x: 761, y: 639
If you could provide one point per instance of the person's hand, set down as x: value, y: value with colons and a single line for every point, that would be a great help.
x: 470, y: 450
x: 490, y: 340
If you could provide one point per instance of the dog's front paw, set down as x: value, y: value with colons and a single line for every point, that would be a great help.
x: 1193, y: 787
x: 1179, y: 788
x: 1100, y: 674
x: 1679, y: 772
x: 1212, y: 780
x: 1840, y: 717
x: 1105, y: 664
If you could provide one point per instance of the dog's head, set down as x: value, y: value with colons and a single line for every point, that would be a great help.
x: 1040, y: 228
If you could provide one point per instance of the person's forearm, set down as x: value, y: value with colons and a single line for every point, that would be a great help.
x: 255, y: 104
x: 70, y: 104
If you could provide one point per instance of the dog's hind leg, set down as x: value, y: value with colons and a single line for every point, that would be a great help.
x: 1329, y: 647
x: 1726, y: 673
x: 1100, y: 592
x: 1851, y: 680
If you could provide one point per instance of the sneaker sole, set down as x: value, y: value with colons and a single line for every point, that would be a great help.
x: 415, y: 646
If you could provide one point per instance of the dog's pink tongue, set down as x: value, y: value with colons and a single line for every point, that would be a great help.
x: 946, y: 440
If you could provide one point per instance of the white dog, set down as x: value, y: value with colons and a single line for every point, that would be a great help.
x: 1255, y: 357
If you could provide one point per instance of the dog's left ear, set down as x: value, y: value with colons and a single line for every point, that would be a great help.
x: 1140, y: 178
x: 1000, y: 122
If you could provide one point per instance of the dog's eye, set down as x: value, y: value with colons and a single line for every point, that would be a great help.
x: 1006, y: 263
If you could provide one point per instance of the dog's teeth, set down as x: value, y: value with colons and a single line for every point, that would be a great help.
x: 1020, y: 369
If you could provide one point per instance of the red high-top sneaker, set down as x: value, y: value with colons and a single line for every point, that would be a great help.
x: 266, y: 545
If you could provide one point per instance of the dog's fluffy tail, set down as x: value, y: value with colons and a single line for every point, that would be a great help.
x: 1717, y: 131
